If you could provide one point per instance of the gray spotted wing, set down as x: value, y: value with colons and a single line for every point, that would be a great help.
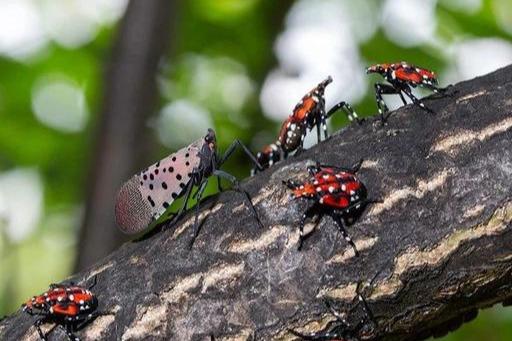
x: 146, y: 195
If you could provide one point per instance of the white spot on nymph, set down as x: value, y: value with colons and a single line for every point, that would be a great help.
x: 393, y: 75
x: 331, y: 189
x: 81, y: 302
x: 352, y: 192
x: 59, y: 298
x: 321, y: 200
x: 343, y: 187
x: 71, y: 297
x: 315, y: 98
x: 325, y: 176
x: 319, y: 189
x: 315, y: 182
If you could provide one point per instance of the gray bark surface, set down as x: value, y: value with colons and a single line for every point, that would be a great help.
x: 438, y: 248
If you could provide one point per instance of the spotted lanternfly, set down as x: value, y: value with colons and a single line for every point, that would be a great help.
x: 340, y: 329
x: 69, y: 306
x: 334, y: 191
x: 308, y: 113
x: 146, y: 196
x: 401, y: 77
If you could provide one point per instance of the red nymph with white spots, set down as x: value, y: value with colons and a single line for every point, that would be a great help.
x: 334, y: 191
x: 307, y: 114
x: 69, y: 306
x: 402, y: 77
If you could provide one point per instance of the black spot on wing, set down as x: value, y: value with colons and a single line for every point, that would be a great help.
x: 151, y: 201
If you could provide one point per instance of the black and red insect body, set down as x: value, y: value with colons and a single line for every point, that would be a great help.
x: 269, y: 155
x: 147, y: 195
x: 307, y: 114
x: 340, y: 329
x: 69, y: 306
x: 401, y: 78
x: 334, y: 191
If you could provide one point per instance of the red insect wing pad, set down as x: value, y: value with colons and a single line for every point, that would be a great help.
x: 340, y: 201
x: 410, y: 73
x: 66, y: 309
x: 145, y: 197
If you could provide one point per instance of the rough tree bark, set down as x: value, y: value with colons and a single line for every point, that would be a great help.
x: 440, y: 245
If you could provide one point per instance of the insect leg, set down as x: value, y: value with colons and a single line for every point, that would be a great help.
x: 38, y: 324
x: 69, y: 332
x: 188, y: 192
x: 246, y: 150
x: 415, y: 100
x: 307, y: 214
x: 236, y: 186
x: 347, y: 109
x: 199, y: 195
x: 346, y: 236
x: 319, y: 132
x: 338, y: 316
x: 384, y: 89
x: 353, y: 169
x: 362, y: 301
x: 323, y: 119
x: 94, y: 281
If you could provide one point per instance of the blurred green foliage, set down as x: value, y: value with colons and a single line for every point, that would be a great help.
x: 231, y: 40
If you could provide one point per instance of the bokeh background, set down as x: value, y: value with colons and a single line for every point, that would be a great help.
x: 92, y: 91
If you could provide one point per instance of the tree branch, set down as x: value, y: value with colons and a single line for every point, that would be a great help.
x: 439, y: 246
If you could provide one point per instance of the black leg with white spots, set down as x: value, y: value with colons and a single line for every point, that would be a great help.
x: 310, y: 212
x: 415, y: 100
x: 347, y: 109
x: 38, y: 324
x: 384, y: 89
x: 339, y: 222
